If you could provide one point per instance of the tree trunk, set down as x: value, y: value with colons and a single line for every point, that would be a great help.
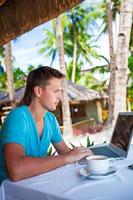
x: 74, y: 50
x: 122, y: 56
x: 9, y: 71
x: 111, y: 90
x: 67, y: 123
x: 74, y: 61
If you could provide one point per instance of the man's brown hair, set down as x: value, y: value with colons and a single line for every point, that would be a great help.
x: 38, y: 77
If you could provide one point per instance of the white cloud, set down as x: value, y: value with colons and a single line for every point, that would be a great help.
x: 24, y: 57
x: 23, y: 51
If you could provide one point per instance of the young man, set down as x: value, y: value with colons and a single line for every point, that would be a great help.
x: 30, y: 128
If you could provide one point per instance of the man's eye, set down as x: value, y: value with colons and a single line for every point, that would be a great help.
x: 57, y: 91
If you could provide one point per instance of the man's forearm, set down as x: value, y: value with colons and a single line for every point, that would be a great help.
x: 20, y: 166
x: 28, y: 166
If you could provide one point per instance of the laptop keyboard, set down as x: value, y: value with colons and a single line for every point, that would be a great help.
x: 104, y: 151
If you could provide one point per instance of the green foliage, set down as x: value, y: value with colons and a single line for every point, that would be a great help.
x: 89, y: 81
x: 50, y: 151
x: 130, y: 63
x: 3, y: 81
x: 131, y: 39
x: 81, y: 20
x: 19, y: 78
x: 89, y: 143
x: 49, y: 47
x: 2, y: 52
x: 80, y: 24
x: 130, y: 87
x: 130, y: 91
x: 30, y: 68
x: 69, y: 71
x: 101, y: 69
x: 115, y: 9
x: 72, y: 144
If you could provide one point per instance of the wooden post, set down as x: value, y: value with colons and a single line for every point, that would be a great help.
x: 99, y: 111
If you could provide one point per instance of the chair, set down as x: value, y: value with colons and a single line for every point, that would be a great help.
x: 4, y: 112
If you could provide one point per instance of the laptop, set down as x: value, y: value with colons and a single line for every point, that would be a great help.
x: 121, y: 138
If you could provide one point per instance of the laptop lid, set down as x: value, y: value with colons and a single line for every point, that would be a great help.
x: 122, y: 133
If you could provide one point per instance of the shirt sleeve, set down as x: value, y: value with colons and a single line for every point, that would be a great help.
x: 13, y: 129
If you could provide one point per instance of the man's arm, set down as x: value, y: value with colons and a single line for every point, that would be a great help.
x: 61, y: 147
x: 20, y: 166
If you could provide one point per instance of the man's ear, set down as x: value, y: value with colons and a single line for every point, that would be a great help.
x: 38, y: 91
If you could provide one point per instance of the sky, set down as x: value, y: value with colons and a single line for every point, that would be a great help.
x: 25, y: 49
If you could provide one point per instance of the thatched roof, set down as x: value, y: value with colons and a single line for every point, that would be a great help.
x: 20, y: 16
x: 75, y: 93
x: 80, y: 93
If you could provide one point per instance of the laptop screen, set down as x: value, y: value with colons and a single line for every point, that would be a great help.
x: 122, y: 133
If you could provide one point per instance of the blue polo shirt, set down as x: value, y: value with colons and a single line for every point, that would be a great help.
x: 20, y: 128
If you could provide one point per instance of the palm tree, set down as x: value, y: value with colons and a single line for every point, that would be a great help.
x: 74, y: 46
x: 9, y: 71
x: 7, y: 79
x: 112, y: 63
x: 122, y: 55
x: 67, y: 123
x: 78, y: 44
x: 78, y: 37
x: 49, y: 46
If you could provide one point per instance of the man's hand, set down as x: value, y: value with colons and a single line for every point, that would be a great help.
x: 77, y: 153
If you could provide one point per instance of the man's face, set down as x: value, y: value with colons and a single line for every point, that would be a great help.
x: 51, y: 94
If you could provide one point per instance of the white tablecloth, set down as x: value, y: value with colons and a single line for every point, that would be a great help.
x: 65, y: 183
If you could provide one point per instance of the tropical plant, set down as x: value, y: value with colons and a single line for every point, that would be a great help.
x: 130, y: 80
x: 19, y: 79
x: 130, y: 64
x: 121, y: 56
x: 30, y: 68
x: 51, y: 151
x: 3, y: 82
x: 115, y: 10
x: 78, y: 34
x: 88, y: 80
x: 88, y: 142
x: 49, y: 47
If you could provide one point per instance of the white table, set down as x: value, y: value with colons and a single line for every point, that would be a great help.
x: 65, y: 183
